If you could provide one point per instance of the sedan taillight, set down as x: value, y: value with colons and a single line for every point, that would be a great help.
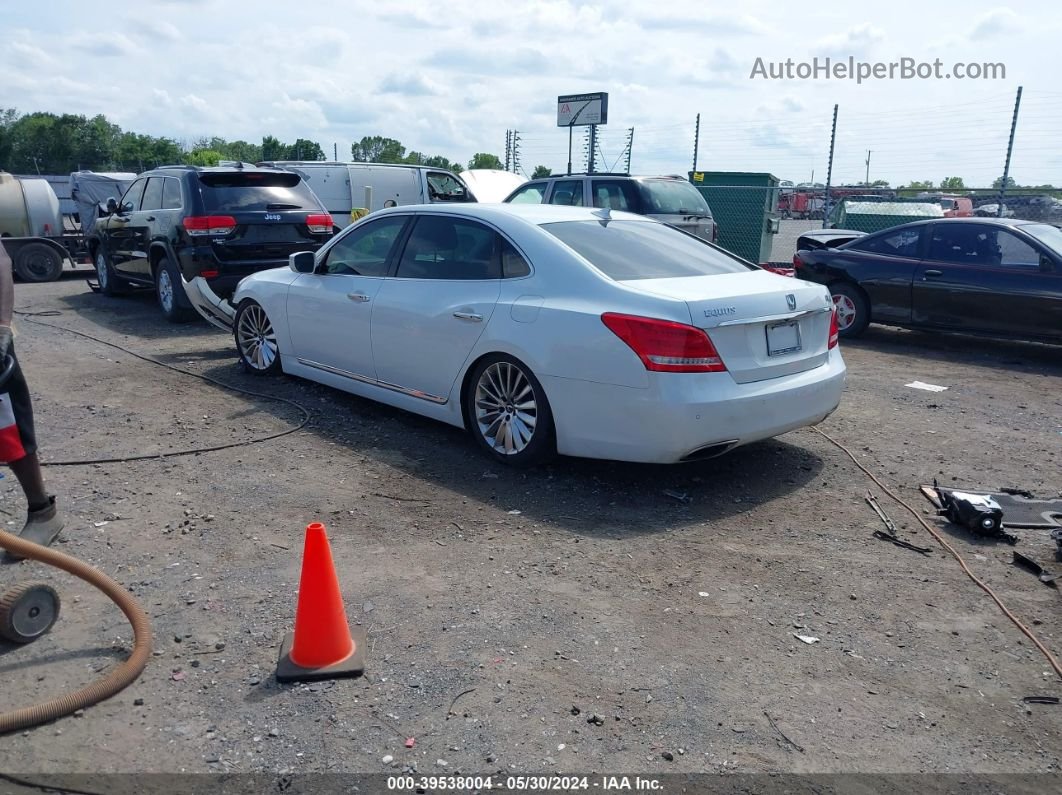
x: 319, y: 222
x: 833, y: 330
x: 665, y: 346
x: 202, y: 225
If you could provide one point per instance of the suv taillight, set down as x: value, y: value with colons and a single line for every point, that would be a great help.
x: 665, y: 346
x: 833, y: 330
x: 319, y: 222
x: 202, y: 225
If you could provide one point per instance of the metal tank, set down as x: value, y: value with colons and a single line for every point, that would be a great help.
x: 28, y: 208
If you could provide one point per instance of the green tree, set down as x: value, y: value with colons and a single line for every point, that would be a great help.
x: 879, y: 183
x: 485, y: 160
x: 378, y: 149
x: 438, y: 161
x: 303, y: 149
x: 203, y: 157
x: 8, y: 116
x: 952, y: 183
x: 273, y: 149
x: 998, y: 183
x: 925, y: 184
x: 541, y: 171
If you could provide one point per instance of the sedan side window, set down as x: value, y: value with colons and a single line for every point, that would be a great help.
x: 567, y: 191
x: 131, y: 200
x: 615, y: 195
x: 1015, y: 252
x: 904, y: 243
x: 964, y: 244
x: 365, y: 251
x: 449, y: 248
x: 529, y: 194
x: 513, y: 264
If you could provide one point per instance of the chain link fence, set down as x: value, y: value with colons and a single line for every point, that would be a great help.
x: 763, y: 224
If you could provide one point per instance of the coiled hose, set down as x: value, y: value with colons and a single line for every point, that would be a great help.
x: 116, y: 681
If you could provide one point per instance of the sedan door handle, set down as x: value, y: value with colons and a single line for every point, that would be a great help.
x: 933, y: 273
x: 150, y: 218
x: 468, y: 316
x: 360, y: 298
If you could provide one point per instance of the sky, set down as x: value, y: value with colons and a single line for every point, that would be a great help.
x: 451, y: 79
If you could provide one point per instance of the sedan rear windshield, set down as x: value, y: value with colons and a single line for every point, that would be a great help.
x: 256, y: 191
x: 630, y: 250
x: 671, y: 197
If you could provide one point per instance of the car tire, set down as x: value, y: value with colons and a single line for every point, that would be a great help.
x: 109, y: 281
x: 508, y: 413
x: 38, y: 262
x: 256, y: 339
x: 852, y: 307
x: 169, y: 290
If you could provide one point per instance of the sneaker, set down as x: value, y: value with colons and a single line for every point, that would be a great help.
x: 42, y: 526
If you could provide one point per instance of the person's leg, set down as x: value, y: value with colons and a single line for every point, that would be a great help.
x: 28, y: 471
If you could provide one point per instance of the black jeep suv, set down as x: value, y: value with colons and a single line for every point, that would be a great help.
x: 193, y: 233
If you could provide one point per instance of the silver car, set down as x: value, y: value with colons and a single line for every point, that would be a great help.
x: 671, y: 200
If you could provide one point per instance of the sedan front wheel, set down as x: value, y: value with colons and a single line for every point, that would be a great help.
x: 256, y: 341
x: 508, y: 412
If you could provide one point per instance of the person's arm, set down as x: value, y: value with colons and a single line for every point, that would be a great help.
x: 7, y: 300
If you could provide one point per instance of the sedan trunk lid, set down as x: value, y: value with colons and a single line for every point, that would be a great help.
x: 763, y: 325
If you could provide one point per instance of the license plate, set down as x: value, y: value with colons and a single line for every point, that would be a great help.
x: 783, y: 338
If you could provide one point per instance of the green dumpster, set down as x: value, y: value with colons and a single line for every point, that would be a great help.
x: 745, y: 207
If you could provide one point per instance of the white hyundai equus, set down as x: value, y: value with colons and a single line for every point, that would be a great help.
x: 547, y: 329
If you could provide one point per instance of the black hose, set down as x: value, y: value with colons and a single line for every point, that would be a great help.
x: 306, y: 416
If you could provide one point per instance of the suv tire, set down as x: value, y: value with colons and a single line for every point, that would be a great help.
x: 169, y: 290
x: 110, y: 282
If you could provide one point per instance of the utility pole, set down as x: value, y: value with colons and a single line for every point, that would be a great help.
x: 696, y: 140
x: 829, y: 170
x: 593, y: 148
x: 508, y: 150
x: 867, y: 182
x: 516, y: 151
x: 1010, y: 149
x: 630, y: 146
x: 335, y: 151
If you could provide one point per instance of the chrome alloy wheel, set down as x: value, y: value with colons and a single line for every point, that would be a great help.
x: 846, y: 311
x: 256, y: 338
x: 506, y: 408
x: 101, y: 270
x: 166, y: 297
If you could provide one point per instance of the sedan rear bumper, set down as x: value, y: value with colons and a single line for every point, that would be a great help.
x: 217, y: 311
x: 686, y: 416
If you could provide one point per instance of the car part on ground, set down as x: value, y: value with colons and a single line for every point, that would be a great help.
x: 27, y: 611
x: 889, y: 534
x: 978, y: 513
x: 1027, y: 563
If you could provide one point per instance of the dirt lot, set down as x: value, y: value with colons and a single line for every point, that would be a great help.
x: 599, y: 624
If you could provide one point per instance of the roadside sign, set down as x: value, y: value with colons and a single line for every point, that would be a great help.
x: 577, y: 110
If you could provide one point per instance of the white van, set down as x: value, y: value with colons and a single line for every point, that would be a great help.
x: 346, y: 187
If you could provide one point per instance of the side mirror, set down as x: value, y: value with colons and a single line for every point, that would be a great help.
x: 301, y: 261
x: 1047, y: 265
x: 112, y: 205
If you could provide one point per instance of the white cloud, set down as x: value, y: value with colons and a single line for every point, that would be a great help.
x: 995, y: 23
x: 858, y: 41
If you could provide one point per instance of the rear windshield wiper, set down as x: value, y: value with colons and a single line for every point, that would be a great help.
x: 283, y: 206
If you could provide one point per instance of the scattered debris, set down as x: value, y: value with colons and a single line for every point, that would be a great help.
x: 388, y: 759
x: 450, y: 711
x: 668, y: 756
x: 596, y: 720
x: 1021, y: 507
x: 808, y: 639
x: 872, y: 501
x: 1046, y: 577
x: 901, y: 543
x: 681, y: 496
x: 410, y: 742
x: 178, y: 676
x: 575, y: 710
x: 977, y: 512
x: 1040, y: 699
x: 926, y: 387
x: 515, y: 513
x: 774, y: 726
x: 703, y: 593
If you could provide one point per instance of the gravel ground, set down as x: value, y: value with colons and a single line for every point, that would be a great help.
x: 583, y: 619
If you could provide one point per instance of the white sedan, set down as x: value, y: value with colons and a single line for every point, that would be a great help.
x: 547, y: 329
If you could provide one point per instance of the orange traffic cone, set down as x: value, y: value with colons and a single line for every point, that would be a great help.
x: 322, y: 646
